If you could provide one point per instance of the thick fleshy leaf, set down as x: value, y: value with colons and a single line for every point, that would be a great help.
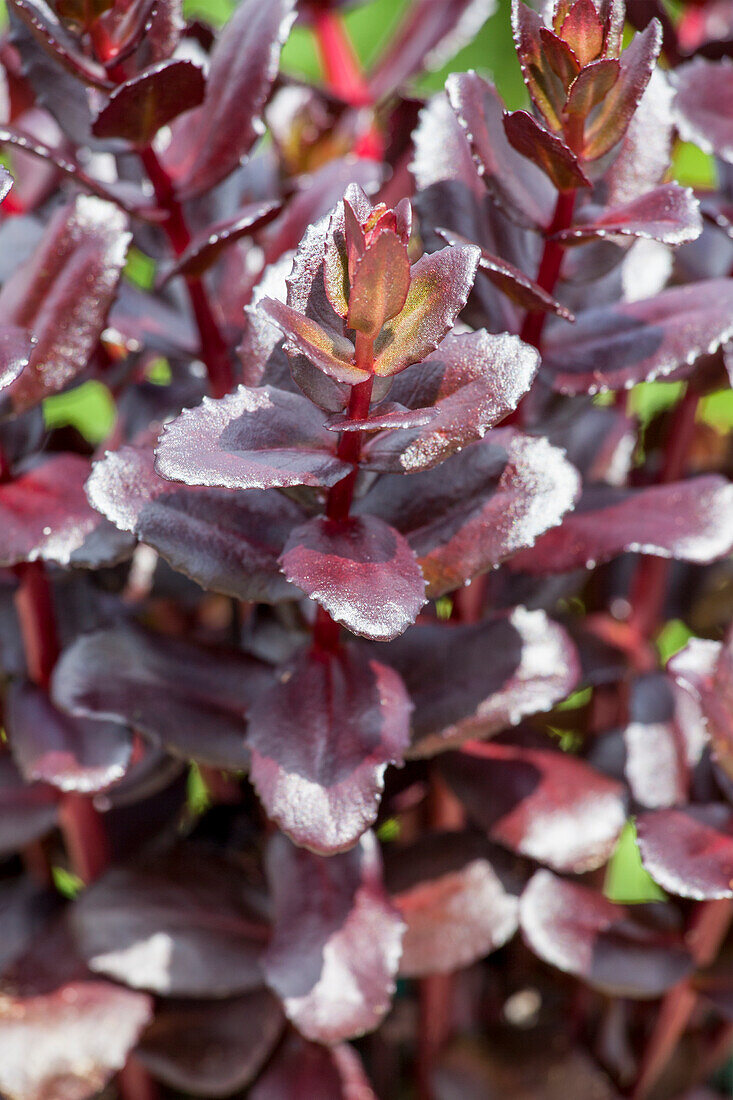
x: 226, y: 542
x: 614, y: 347
x: 687, y: 520
x: 580, y: 932
x: 360, y: 570
x: 336, y: 939
x: 211, y: 1048
x: 670, y: 214
x: 139, y: 107
x: 251, y: 439
x: 27, y: 811
x: 439, y: 288
x: 182, y: 695
x: 388, y: 414
x: 16, y: 346
x: 301, y: 1071
x: 518, y: 186
x: 72, y: 754
x: 612, y: 118
x: 545, y: 149
x: 45, y: 516
x: 704, y: 671
x: 243, y: 66
x: 489, y: 502
x: 475, y: 379
x: 540, y: 57
x: 62, y: 294
x: 328, y: 350
x: 511, y: 281
x: 321, y: 739
x: 80, y: 1035
x: 459, y: 697
x: 543, y: 804
x: 689, y: 852
x: 702, y: 105
x: 453, y: 892
x: 582, y: 29
x: 46, y: 27
x: 207, y: 246
x: 380, y: 284
x: 183, y: 924
x: 657, y: 754
x: 432, y: 32
x: 644, y: 153
x: 591, y: 86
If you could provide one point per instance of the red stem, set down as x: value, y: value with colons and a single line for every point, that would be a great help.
x: 214, y: 350
x: 550, y: 264
x: 345, y: 77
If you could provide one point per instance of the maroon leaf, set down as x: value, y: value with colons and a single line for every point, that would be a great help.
x: 579, y: 931
x: 380, y: 285
x: 658, y: 756
x: 300, y: 1071
x: 250, y: 439
x: 475, y: 380
x: 468, y: 515
x: 328, y: 350
x: 184, y: 924
x: 45, y: 516
x: 645, y: 151
x: 511, y: 281
x: 27, y: 811
x: 542, y: 804
x: 439, y: 288
x: 336, y: 940
x: 182, y: 695
x: 16, y: 346
x: 69, y: 753
x: 612, y: 118
x: 207, y: 246
x: 458, y: 697
x: 388, y: 414
x: 541, y: 56
x: 62, y: 295
x: 702, y: 105
x: 688, y: 520
x: 139, y: 107
x: 321, y: 777
x: 614, y: 347
x: 582, y: 29
x: 48, y: 30
x: 227, y: 542
x: 519, y: 187
x: 451, y: 891
x: 545, y: 149
x: 80, y: 1035
x: 689, y: 852
x: 670, y: 214
x: 591, y: 86
x: 360, y: 570
x: 704, y: 671
x: 243, y: 67
x: 211, y: 1048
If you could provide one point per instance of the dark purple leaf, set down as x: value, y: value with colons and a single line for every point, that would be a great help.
x: 326, y: 349
x: 687, y: 520
x: 703, y: 670
x: 207, y: 246
x: 670, y: 214
x: 251, y: 439
x: 320, y: 776
x: 459, y: 697
x: 542, y: 56
x: 614, y: 347
x: 689, y: 852
x: 539, y: 803
x: 545, y: 149
x: 519, y: 187
x: 62, y: 295
x: 658, y: 756
x: 25, y: 907
x: 702, y: 105
x: 489, y: 502
x: 580, y: 932
x: 16, y: 346
x: 591, y: 86
x: 184, y: 924
x: 80, y: 1035
x: 452, y: 893
x: 614, y: 114
x: 388, y: 414
x: 475, y: 379
x: 45, y: 516
x: 302, y: 1071
x: 69, y: 753
x: 336, y: 939
x: 644, y: 153
x: 360, y: 570
x: 211, y: 1048
x: 243, y: 66
x: 27, y: 811
x: 180, y: 694
x: 48, y: 30
x: 380, y: 284
x: 432, y: 32
x: 227, y: 542
x: 139, y: 107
